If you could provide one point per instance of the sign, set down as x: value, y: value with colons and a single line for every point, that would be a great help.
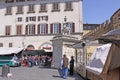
x: 47, y: 47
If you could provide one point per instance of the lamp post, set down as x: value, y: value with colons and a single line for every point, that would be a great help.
x: 84, y: 53
x: 65, y: 24
x: 84, y: 58
x: 65, y: 19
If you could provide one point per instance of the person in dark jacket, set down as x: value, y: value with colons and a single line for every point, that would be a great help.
x: 72, y: 66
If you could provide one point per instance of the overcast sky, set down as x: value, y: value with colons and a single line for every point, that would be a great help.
x: 98, y: 11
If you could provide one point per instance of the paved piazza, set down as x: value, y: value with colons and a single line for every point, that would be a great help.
x: 35, y: 73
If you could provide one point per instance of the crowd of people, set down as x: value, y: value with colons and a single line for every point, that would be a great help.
x: 34, y: 60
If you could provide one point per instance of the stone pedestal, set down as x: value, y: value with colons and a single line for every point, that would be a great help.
x: 62, y: 45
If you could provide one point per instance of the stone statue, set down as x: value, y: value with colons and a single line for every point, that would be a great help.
x: 66, y: 30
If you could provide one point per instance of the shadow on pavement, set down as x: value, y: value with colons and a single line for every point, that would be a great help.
x: 56, y: 76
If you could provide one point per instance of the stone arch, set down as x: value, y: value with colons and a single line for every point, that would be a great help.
x: 30, y: 47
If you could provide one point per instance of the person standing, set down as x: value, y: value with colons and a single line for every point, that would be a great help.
x: 72, y: 66
x: 65, y: 67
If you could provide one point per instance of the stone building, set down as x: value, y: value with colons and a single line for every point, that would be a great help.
x: 35, y: 22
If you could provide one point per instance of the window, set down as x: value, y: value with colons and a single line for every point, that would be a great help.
x: 42, y: 18
x: 30, y: 29
x: 32, y: 18
x: 9, y: 10
x: 20, y: 9
x: 20, y: 0
x: 56, y: 7
x: 9, y: 1
x: 19, y: 19
x: 31, y: 8
x: 43, y: 8
x: 1, y: 44
x: 68, y: 6
x: 19, y: 30
x: 56, y: 28
x: 7, y: 30
x: 30, y: 0
x: 42, y: 28
x: 10, y: 44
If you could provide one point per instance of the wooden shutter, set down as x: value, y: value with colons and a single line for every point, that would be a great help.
x: 46, y: 18
x: 73, y: 28
x: 38, y: 18
x: 46, y: 28
x: 26, y: 19
x: 34, y: 18
x: 59, y: 28
x: 34, y: 29
x: 51, y: 28
x: 26, y: 30
x: 38, y: 29
x: 19, y: 29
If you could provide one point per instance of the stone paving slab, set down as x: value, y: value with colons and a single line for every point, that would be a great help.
x: 35, y: 73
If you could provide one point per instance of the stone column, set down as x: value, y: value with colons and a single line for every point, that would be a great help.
x: 57, y: 52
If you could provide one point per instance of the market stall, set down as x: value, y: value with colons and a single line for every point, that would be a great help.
x: 104, y: 63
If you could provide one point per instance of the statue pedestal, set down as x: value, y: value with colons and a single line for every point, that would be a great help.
x: 62, y: 45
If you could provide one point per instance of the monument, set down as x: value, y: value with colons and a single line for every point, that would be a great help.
x: 62, y: 45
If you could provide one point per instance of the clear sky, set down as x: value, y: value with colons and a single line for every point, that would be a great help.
x: 98, y: 11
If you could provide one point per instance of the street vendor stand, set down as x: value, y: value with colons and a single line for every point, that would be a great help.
x: 109, y: 67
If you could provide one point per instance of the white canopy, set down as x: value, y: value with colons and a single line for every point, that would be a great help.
x: 98, y: 59
x: 7, y: 51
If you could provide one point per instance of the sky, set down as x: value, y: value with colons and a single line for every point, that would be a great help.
x: 98, y: 11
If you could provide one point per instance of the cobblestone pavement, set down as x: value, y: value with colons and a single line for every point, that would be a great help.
x: 35, y: 73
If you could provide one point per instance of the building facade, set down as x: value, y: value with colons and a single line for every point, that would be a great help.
x: 35, y: 22
x: 89, y: 27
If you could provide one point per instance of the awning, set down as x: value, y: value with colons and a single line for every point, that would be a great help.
x: 34, y: 52
x: 112, y: 36
x: 7, y: 51
x: 113, y: 32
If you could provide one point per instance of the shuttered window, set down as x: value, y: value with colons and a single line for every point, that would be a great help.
x: 38, y: 29
x: 56, y: 7
x: 30, y: 29
x: 19, y: 30
x: 44, y: 28
x: 68, y: 6
x: 31, y: 8
x: 9, y: 10
x: 51, y: 28
x: 56, y: 28
x: 43, y: 8
x: 7, y: 30
x: 1, y: 44
x: 10, y: 44
x: 19, y: 9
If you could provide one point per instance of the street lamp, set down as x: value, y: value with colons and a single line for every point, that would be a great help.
x: 65, y: 19
x: 84, y: 53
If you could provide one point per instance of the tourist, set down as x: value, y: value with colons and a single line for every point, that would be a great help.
x: 64, y: 63
x: 72, y: 66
